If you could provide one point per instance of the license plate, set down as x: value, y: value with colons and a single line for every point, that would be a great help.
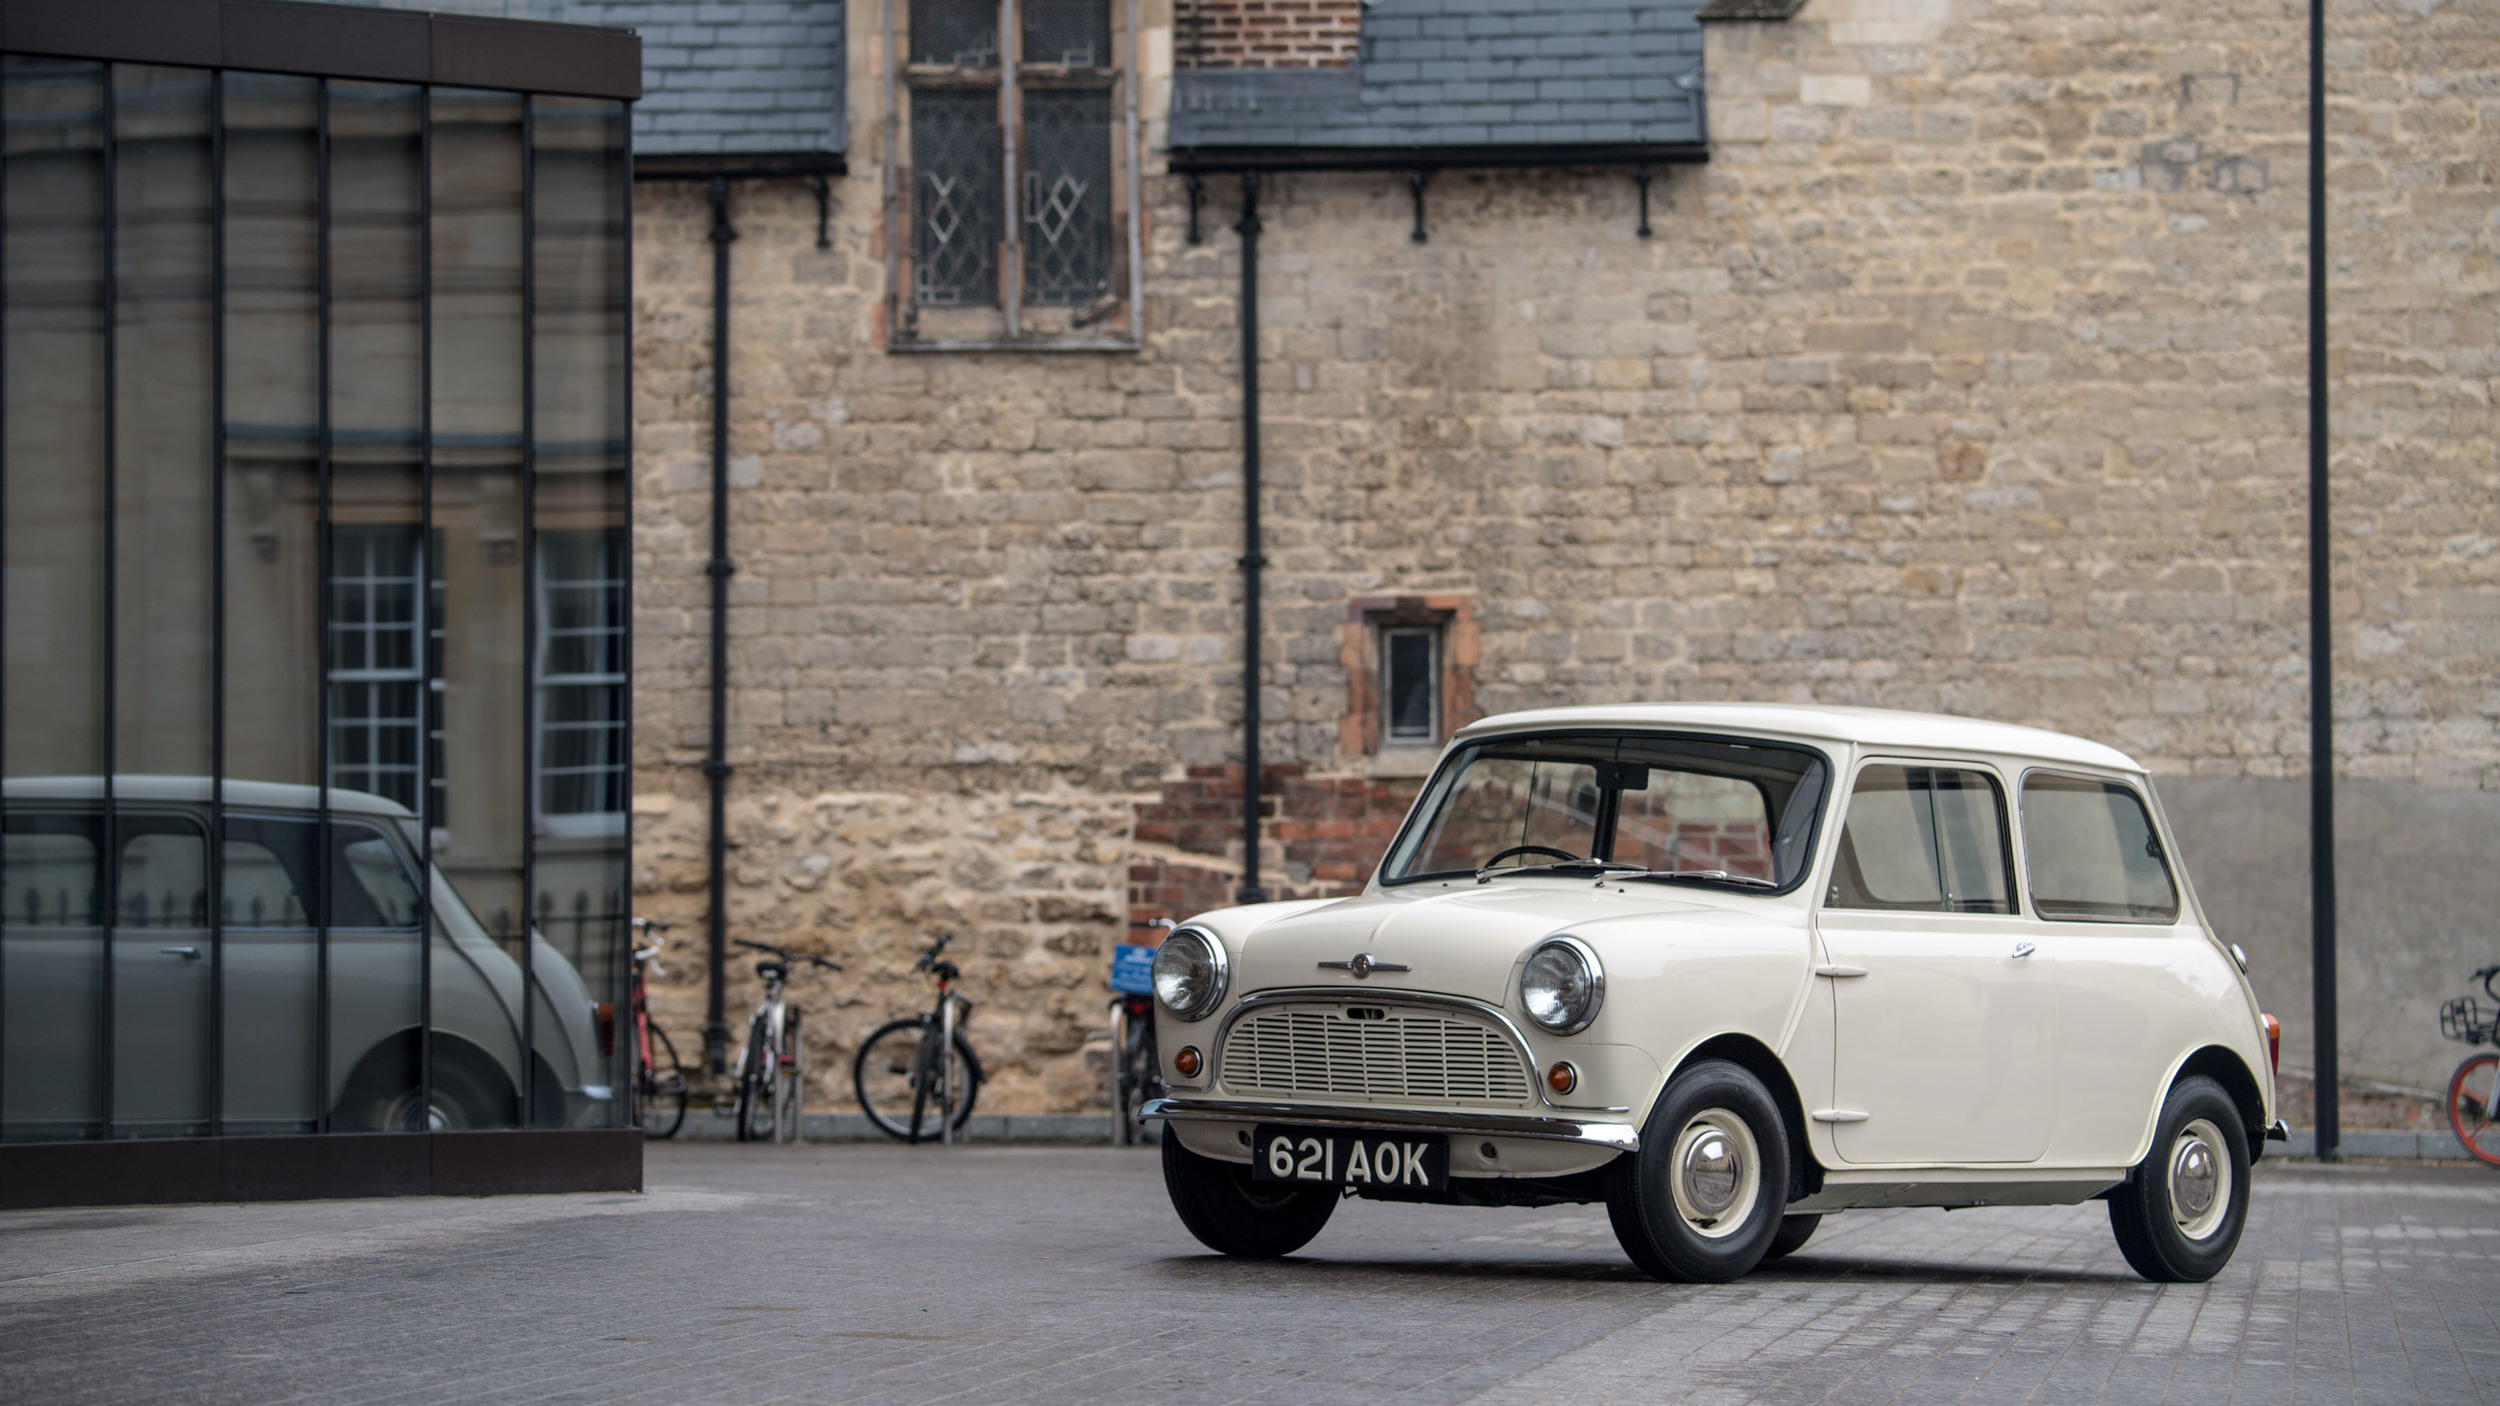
x: 1350, y: 1157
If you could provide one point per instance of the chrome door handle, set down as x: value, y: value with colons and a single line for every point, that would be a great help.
x: 188, y: 954
x: 2023, y: 949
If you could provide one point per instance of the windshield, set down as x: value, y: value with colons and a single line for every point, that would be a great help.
x: 1653, y: 802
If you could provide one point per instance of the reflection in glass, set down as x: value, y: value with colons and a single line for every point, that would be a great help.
x: 579, y: 702
x: 377, y: 698
x: 53, y: 503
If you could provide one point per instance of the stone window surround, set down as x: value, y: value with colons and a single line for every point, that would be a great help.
x: 1123, y: 330
x: 1360, y: 727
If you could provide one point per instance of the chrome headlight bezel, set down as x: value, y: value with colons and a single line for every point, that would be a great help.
x: 1571, y: 1022
x: 1220, y: 982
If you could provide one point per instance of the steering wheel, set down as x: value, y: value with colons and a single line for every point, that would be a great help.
x: 1562, y: 854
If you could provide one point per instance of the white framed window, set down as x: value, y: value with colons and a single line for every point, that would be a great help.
x: 579, y: 721
x: 378, y: 641
x: 1013, y: 196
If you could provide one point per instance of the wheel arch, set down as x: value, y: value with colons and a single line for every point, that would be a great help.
x: 2223, y: 1065
x: 381, y: 1070
x: 1805, y: 1174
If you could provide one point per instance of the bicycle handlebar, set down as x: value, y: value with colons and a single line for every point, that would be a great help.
x: 786, y: 954
x: 2485, y: 975
x: 928, y: 959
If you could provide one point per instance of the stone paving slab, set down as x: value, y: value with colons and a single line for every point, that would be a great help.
x: 890, y: 1274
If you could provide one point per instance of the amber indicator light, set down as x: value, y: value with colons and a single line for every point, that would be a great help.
x: 1187, y: 1061
x: 1562, y: 1078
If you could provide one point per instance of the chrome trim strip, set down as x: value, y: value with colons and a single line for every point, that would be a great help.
x: 1341, y: 996
x: 1621, y: 1136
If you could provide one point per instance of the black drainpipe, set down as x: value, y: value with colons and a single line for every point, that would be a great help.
x: 1251, y: 557
x: 716, y: 762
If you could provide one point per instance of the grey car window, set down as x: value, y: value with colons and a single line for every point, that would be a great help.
x: 48, y: 872
x: 2092, y: 852
x: 1918, y: 837
x: 272, y: 869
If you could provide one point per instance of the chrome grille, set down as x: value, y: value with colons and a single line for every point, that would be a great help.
x: 1396, y: 1055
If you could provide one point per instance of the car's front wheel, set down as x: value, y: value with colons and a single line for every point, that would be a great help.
x: 1703, y: 1198
x: 1234, y: 1215
x: 2178, y: 1216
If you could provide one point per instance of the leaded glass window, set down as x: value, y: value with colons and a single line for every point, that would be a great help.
x: 1018, y: 177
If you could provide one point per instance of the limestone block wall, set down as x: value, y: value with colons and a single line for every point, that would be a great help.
x: 1969, y: 374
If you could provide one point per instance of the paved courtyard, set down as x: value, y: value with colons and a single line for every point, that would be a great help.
x: 865, y: 1273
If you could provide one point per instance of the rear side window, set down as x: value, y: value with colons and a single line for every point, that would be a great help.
x: 2093, y: 854
x: 1923, y: 838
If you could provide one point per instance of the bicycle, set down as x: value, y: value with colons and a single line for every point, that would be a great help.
x: 659, y: 1079
x: 909, y: 1063
x: 772, y: 1069
x: 1136, y: 1066
x: 2475, y: 1088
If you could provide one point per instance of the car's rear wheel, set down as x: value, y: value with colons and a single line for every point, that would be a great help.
x: 2179, y: 1215
x: 1793, y: 1234
x: 1233, y: 1215
x: 1703, y: 1199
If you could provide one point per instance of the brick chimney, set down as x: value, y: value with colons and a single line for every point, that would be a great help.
x: 1267, y: 33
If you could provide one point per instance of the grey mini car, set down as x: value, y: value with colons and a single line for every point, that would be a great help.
x: 305, y: 1027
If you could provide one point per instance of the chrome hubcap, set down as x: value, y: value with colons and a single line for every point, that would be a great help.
x: 1716, y: 1174
x: 1710, y: 1167
x: 2200, y: 1180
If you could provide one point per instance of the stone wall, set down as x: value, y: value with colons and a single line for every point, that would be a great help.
x: 1968, y: 375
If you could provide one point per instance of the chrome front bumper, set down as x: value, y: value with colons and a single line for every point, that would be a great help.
x: 1623, y: 1137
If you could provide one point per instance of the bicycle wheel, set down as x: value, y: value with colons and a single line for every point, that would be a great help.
x: 887, y: 1079
x: 2470, y: 1098
x: 756, y: 1071
x: 661, y: 1088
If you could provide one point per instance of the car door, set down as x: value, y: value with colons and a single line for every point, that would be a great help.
x: 2137, y: 978
x: 1945, y: 1032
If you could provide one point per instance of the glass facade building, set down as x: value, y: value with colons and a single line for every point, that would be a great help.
x: 313, y: 581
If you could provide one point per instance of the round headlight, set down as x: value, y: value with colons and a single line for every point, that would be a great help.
x: 1189, y: 973
x: 1563, y: 986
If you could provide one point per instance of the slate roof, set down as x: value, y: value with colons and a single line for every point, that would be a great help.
x: 733, y: 78
x: 724, y: 82
x: 1458, y: 82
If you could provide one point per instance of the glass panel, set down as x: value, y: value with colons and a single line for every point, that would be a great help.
x: 267, y: 880
x: 2092, y: 853
x: 377, y: 579
x: 1926, y: 838
x: 579, y: 703
x: 1504, y: 803
x: 1067, y: 198
x: 1412, y: 682
x: 957, y: 33
x: 53, y: 504
x: 1683, y: 820
x: 265, y: 898
x: 956, y: 197
x: 1073, y: 33
x: 478, y: 517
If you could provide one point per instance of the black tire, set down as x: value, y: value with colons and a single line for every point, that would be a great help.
x: 1234, y: 1215
x: 1720, y: 1119
x: 757, y: 1074
x: 661, y: 1090
x: 2165, y: 1235
x: 1141, y: 1082
x: 1793, y: 1234
x: 883, y: 1081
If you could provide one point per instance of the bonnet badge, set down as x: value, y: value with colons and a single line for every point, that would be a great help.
x: 1363, y: 966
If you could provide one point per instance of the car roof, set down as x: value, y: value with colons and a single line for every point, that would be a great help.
x: 260, y: 795
x: 1871, y: 728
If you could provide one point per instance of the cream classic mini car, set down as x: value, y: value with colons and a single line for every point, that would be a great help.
x: 1729, y: 969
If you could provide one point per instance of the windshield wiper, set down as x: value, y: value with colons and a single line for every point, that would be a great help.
x: 1708, y: 876
x: 1604, y: 866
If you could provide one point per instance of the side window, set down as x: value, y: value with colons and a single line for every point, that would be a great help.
x: 2092, y: 853
x: 1927, y: 839
x: 272, y: 869
x: 48, y: 873
x: 164, y: 872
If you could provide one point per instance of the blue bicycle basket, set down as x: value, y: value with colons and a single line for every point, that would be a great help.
x: 1133, y: 969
